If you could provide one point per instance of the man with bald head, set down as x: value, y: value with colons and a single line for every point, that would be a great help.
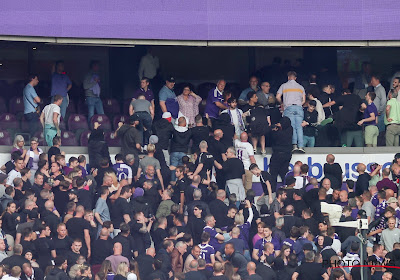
x: 116, y: 258
x: 215, y: 101
x: 193, y: 274
x: 363, y: 178
x: 145, y: 261
x: 217, y: 149
x: 326, y: 184
x: 343, y: 198
x: 245, y: 152
x: 179, y: 145
x: 102, y: 247
x: 219, y: 209
x: 251, y: 270
x: 333, y: 171
x: 48, y: 216
x: 78, y: 228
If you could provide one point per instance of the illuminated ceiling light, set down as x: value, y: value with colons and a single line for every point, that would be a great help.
x: 34, y: 48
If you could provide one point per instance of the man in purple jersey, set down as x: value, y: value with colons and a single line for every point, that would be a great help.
x: 259, y: 246
x: 207, y: 252
x: 215, y: 238
x: 215, y: 100
x: 123, y: 170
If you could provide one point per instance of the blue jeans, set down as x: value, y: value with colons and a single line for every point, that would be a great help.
x: 94, y: 103
x: 63, y: 106
x: 381, y: 122
x: 34, y: 123
x: 296, y: 115
x: 175, y: 160
x: 309, y: 141
x: 145, y: 122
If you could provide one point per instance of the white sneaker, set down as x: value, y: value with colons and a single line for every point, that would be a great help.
x: 294, y: 148
x: 301, y: 150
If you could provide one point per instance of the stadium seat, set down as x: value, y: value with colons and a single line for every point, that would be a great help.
x: 111, y: 106
x: 40, y: 136
x: 8, y: 121
x: 5, y: 139
x: 25, y: 125
x: 101, y: 119
x: 3, y: 107
x: 68, y: 138
x: 84, y: 138
x: 125, y: 106
x: 63, y: 125
x: 71, y: 107
x: 111, y: 140
x: 77, y: 121
x: 82, y: 107
x: 117, y: 119
x: 16, y: 105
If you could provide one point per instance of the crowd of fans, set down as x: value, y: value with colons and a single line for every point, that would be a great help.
x: 178, y: 201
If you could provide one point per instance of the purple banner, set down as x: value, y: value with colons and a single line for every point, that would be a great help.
x: 203, y: 19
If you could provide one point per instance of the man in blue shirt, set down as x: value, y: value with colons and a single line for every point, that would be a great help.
x: 60, y: 84
x: 168, y: 100
x: 253, y: 82
x: 91, y: 85
x: 31, y: 101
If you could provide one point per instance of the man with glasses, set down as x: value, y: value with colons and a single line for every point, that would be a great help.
x: 31, y: 101
x: 264, y: 93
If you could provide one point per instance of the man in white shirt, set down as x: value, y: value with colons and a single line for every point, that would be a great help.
x: 16, y: 172
x: 50, y: 119
x: 245, y: 152
x: 236, y: 116
x: 149, y: 65
x: 318, y: 108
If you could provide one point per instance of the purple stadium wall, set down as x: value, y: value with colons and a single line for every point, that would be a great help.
x: 203, y: 19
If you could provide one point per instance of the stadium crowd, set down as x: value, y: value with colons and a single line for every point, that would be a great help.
x: 178, y: 201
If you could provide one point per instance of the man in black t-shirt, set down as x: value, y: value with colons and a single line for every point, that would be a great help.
x: 179, y: 188
x: 217, y: 148
x: 310, y: 270
x: 78, y: 228
x: 121, y: 211
x: 234, y: 174
x: 205, y: 162
x: 265, y: 179
x: 55, y: 149
x: 199, y: 133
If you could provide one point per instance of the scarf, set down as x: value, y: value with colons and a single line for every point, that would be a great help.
x: 240, y: 119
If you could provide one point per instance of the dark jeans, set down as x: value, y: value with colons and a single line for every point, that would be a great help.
x: 145, y: 122
x: 279, y: 166
x: 34, y: 124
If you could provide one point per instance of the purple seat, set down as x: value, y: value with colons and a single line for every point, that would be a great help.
x: 40, y: 136
x: 101, y: 119
x: 77, y: 121
x: 125, y: 106
x: 3, y: 107
x: 84, y: 139
x: 111, y: 140
x: 5, y: 139
x: 63, y: 125
x: 117, y: 119
x: 71, y: 107
x: 16, y: 105
x: 82, y: 107
x: 25, y: 125
x: 68, y: 138
x: 8, y: 121
x: 111, y: 106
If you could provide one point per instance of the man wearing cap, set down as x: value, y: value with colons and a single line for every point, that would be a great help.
x: 215, y: 101
x: 293, y: 100
x: 130, y: 137
x: 168, y: 100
